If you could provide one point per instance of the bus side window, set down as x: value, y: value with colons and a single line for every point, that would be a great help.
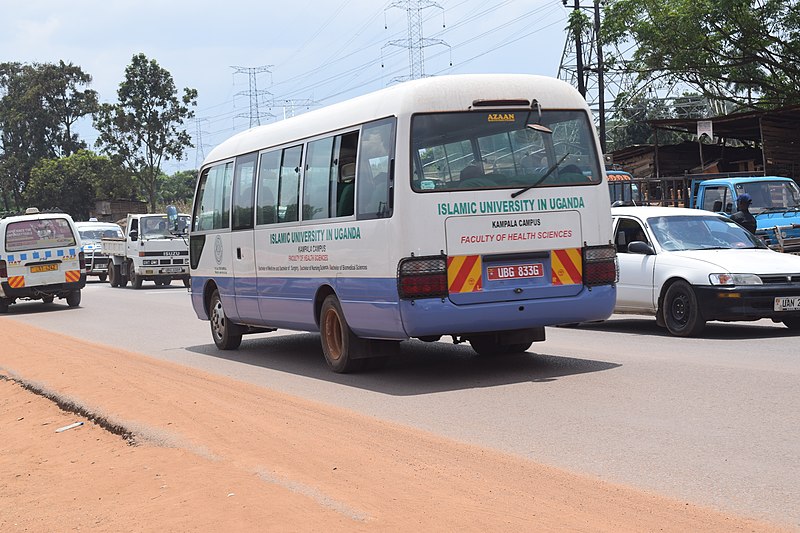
x: 212, y: 205
x: 289, y: 186
x: 317, y: 179
x: 268, y: 170
x: 373, y: 182
x: 243, y: 191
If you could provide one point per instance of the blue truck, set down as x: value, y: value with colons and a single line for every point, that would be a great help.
x: 775, y: 206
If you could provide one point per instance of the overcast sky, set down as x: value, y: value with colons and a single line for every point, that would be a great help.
x: 318, y: 52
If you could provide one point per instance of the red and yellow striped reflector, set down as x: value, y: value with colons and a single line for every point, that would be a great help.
x: 16, y: 282
x: 567, y: 266
x: 464, y: 273
x: 72, y: 275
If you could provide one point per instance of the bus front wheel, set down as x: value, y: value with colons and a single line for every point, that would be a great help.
x: 339, y: 343
x: 226, y: 334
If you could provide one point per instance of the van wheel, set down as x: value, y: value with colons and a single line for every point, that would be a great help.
x: 339, y: 343
x: 681, y: 311
x: 4, y: 305
x: 48, y: 299
x: 226, y: 334
x: 74, y: 298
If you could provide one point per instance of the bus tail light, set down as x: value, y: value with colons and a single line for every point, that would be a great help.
x: 82, y: 260
x: 3, y: 269
x: 422, y: 277
x: 599, y: 265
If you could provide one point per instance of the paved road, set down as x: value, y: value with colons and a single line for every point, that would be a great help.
x: 713, y: 420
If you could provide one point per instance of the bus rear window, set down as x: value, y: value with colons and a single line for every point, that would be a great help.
x: 39, y: 234
x: 490, y: 150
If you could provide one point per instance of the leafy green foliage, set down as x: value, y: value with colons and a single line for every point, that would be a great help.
x: 40, y: 105
x: 73, y: 183
x: 178, y: 189
x: 145, y: 127
x: 742, y: 51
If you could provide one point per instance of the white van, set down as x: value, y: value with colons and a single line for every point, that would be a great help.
x: 91, y: 232
x: 40, y: 259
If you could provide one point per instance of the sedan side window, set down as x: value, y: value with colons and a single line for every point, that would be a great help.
x: 629, y: 230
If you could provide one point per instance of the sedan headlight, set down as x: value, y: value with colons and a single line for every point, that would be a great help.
x: 734, y: 279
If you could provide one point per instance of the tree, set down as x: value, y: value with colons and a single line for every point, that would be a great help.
x: 73, y: 183
x: 630, y: 126
x: 742, y: 51
x: 145, y: 127
x: 65, y: 104
x: 39, y: 107
x: 178, y: 189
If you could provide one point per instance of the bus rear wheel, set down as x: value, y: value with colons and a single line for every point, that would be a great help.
x: 339, y: 343
x: 226, y: 334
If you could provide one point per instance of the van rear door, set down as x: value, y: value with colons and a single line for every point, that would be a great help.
x: 42, y: 251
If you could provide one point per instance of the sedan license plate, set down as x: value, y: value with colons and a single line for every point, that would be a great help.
x: 531, y: 270
x: 791, y: 303
x: 44, y: 268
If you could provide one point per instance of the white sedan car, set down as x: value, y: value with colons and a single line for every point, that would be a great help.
x: 689, y: 266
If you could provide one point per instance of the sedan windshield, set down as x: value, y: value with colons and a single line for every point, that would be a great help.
x: 676, y: 233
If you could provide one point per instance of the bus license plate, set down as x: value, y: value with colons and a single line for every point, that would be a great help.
x: 531, y: 270
x: 791, y: 303
x: 44, y: 268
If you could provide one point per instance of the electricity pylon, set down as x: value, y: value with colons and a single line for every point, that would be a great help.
x: 414, y: 42
x: 253, y: 93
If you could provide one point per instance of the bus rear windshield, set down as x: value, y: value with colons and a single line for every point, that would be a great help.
x: 491, y: 150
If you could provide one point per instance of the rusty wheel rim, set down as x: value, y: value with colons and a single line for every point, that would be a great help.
x: 332, y: 329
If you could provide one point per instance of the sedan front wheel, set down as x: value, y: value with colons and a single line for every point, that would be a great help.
x: 681, y: 312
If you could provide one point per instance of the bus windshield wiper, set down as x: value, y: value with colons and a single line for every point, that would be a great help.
x: 540, y: 180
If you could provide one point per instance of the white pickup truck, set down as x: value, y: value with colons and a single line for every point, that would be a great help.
x: 153, y: 249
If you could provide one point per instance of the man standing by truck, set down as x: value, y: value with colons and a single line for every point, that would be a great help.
x: 743, y: 217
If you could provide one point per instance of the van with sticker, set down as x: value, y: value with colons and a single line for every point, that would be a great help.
x: 40, y: 259
x: 473, y: 207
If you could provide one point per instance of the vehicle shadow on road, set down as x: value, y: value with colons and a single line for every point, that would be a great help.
x: 35, y: 307
x: 712, y: 331
x: 419, y: 368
